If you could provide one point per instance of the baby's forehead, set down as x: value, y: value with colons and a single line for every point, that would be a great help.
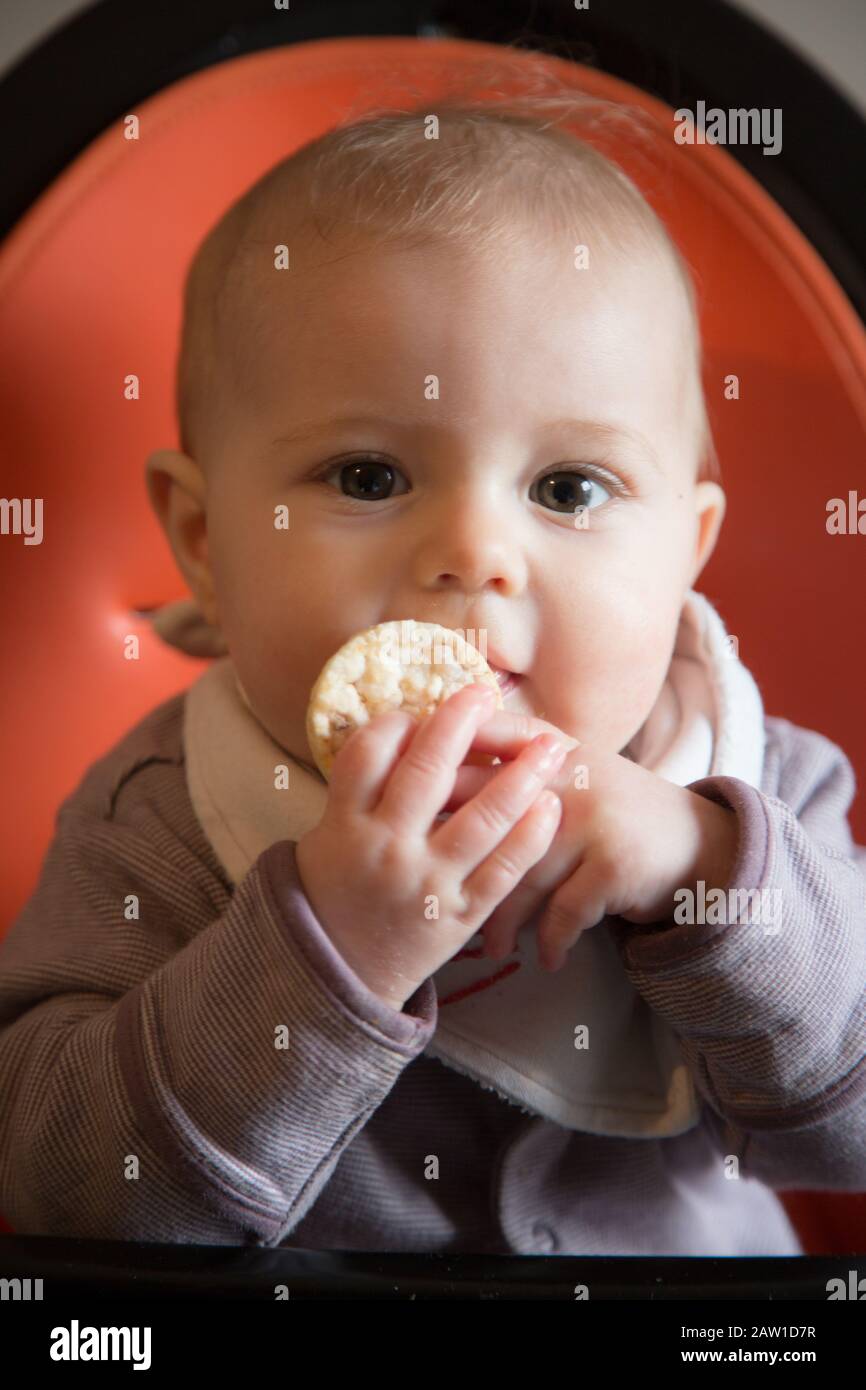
x: 320, y: 271
x: 268, y: 313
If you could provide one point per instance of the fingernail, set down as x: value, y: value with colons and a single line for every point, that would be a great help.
x: 552, y: 752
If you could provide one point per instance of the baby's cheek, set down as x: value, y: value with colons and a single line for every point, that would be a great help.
x: 604, y: 693
x: 640, y: 664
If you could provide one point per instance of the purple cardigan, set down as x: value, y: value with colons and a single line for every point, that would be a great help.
x: 185, y: 1062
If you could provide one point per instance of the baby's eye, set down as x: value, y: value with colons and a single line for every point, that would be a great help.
x: 566, y: 489
x: 372, y: 478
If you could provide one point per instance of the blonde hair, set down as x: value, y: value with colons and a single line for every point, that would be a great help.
x: 500, y: 164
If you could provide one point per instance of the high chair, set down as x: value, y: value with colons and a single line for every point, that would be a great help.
x: 90, y: 299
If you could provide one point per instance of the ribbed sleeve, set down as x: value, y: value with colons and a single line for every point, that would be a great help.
x: 771, y: 1008
x: 179, y: 1062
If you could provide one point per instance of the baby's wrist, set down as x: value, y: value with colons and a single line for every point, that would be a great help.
x: 719, y: 852
x: 387, y: 987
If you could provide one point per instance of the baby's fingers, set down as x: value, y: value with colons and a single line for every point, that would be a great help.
x: 469, y: 782
x: 507, y: 734
x: 473, y: 832
x: 425, y: 775
x: 527, y: 843
x: 581, y: 902
x: 501, y: 928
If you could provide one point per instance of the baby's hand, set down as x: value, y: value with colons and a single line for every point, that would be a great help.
x: 398, y: 892
x: 627, y: 840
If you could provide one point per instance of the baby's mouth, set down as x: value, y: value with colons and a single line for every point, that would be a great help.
x: 508, y: 680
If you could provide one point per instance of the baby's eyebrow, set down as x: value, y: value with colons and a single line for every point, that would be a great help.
x: 601, y: 432
x: 308, y: 429
x: 610, y: 435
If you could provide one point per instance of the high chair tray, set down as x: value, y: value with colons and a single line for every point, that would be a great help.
x: 75, y: 1270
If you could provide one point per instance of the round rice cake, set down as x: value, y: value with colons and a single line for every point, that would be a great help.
x: 398, y: 665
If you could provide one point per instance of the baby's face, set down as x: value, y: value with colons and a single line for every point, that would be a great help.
x: 477, y: 394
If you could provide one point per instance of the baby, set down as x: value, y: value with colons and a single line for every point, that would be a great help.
x: 448, y: 370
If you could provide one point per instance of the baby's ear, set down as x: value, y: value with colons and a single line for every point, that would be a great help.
x: 710, y: 504
x: 163, y: 469
x: 178, y: 495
